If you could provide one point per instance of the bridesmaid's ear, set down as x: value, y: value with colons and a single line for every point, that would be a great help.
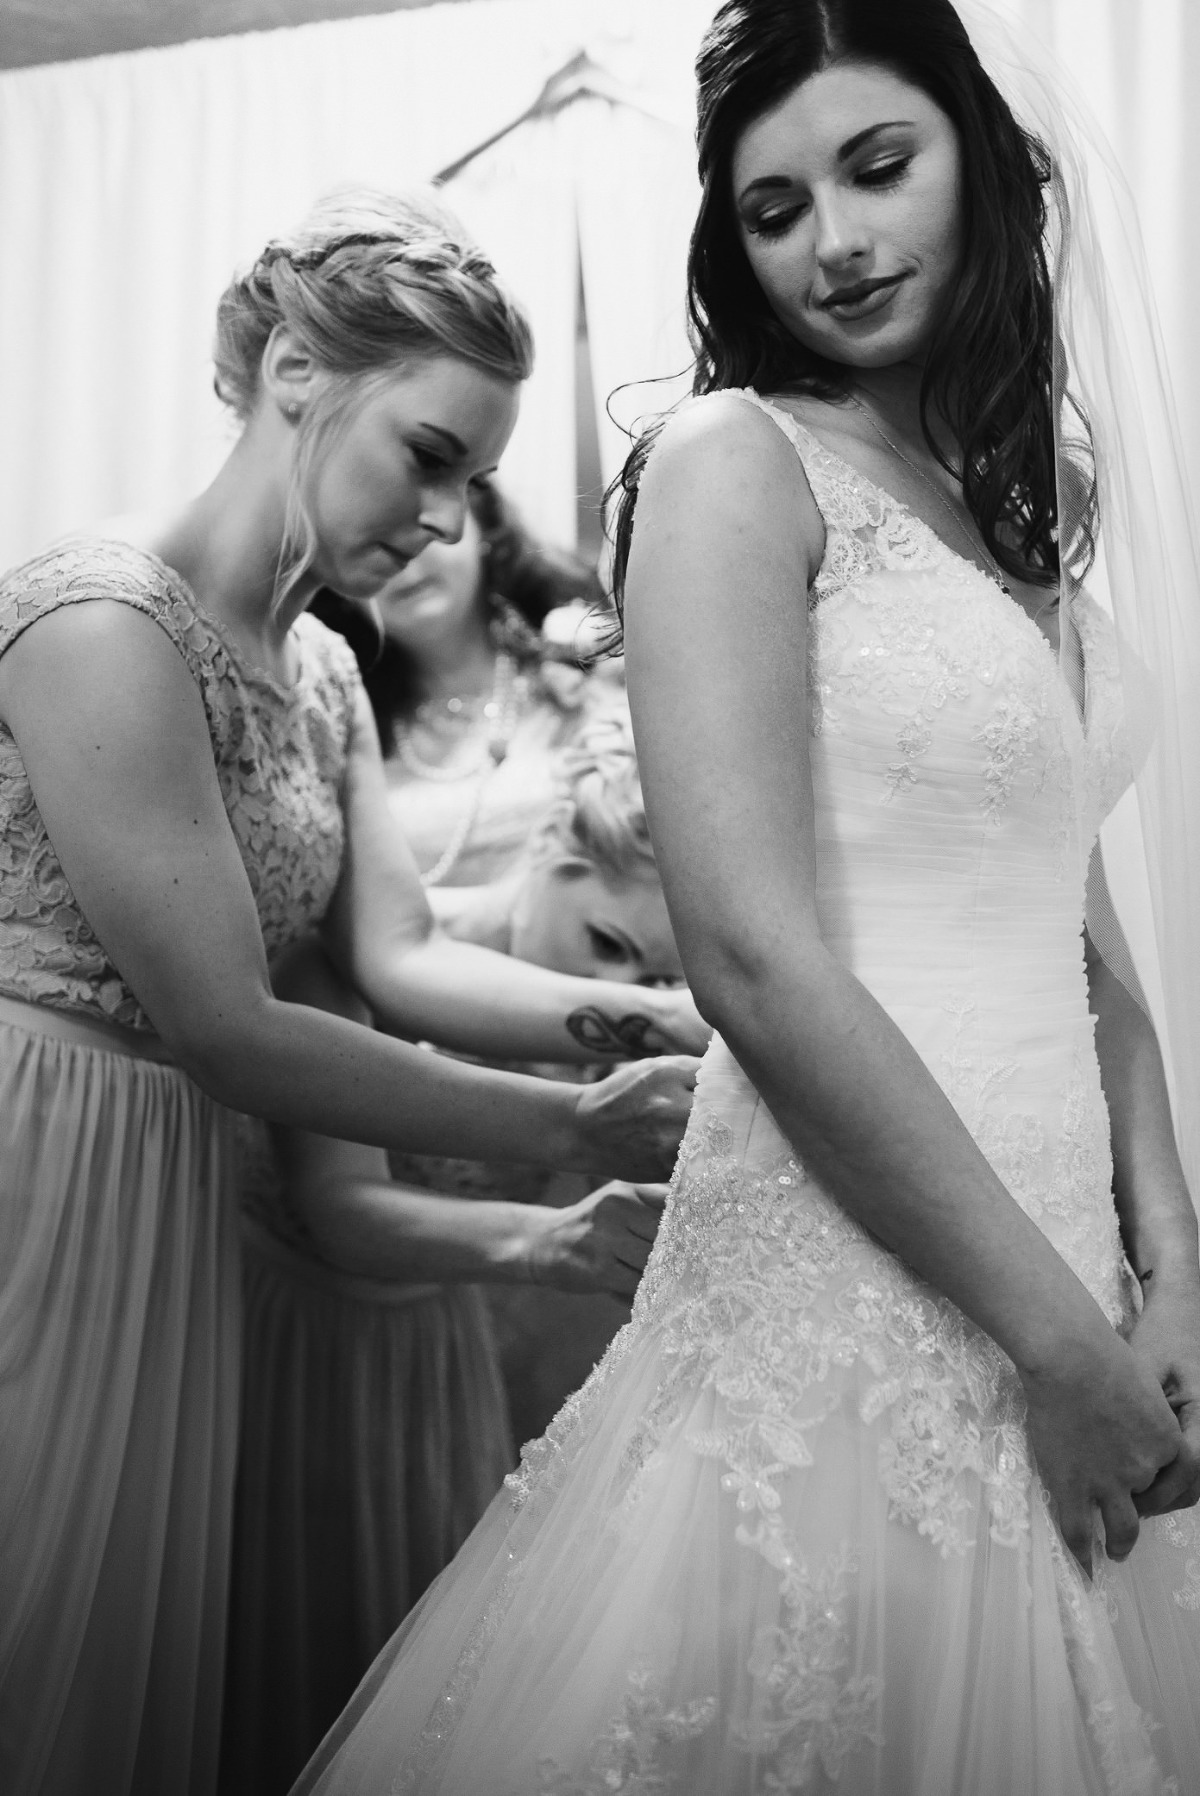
x: 289, y: 376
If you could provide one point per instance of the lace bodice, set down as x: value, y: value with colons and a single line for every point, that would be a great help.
x: 279, y: 752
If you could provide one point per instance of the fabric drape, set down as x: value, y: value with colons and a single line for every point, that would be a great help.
x: 132, y: 185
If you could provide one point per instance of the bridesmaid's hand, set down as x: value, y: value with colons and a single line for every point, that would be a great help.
x: 1101, y: 1433
x: 601, y: 1243
x: 630, y: 1123
x: 1166, y: 1339
x: 683, y: 1028
x: 647, y: 1020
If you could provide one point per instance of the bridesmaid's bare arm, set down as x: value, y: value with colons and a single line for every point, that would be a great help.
x: 363, y: 1221
x: 113, y: 736
x: 417, y: 980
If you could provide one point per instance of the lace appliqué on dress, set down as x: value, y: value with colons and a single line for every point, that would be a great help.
x: 1120, y: 1730
x: 627, y: 1757
x: 808, y: 1712
x: 1181, y: 1530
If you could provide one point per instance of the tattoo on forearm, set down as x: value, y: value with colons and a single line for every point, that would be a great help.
x: 625, y: 1038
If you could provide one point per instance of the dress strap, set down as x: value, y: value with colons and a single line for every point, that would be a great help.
x: 825, y: 472
x: 802, y: 440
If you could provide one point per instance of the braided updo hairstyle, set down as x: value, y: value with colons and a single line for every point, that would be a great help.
x: 601, y: 816
x: 369, y: 282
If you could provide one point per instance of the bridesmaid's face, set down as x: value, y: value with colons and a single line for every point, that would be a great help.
x: 439, y: 596
x: 572, y: 918
x: 847, y: 194
x: 396, y: 474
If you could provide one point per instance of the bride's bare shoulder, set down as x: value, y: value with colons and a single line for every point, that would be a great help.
x: 724, y: 469
x: 717, y: 440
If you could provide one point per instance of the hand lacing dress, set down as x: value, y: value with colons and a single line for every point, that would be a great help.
x: 118, y: 1236
x: 787, y: 1538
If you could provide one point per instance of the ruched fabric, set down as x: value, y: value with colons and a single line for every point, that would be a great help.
x: 119, y: 1307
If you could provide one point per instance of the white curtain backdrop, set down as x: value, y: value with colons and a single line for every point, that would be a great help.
x: 1136, y: 63
x: 131, y: 185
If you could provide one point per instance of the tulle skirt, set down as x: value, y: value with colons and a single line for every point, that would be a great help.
x: 374, y: 1435
x: 786, y: 1539
x: 587, y: 1643
x: 119, y: 1309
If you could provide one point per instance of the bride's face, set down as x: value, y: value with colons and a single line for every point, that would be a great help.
x: 847, y: 194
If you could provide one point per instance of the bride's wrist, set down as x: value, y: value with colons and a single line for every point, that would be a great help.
x: 1054, y: 1345
x: 1170, y: 1280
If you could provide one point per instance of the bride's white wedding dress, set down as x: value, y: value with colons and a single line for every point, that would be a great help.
x: 787, y: 1538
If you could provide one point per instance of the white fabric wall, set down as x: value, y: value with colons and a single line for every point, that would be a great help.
x: 1136, y: 62
x: 131, y: 185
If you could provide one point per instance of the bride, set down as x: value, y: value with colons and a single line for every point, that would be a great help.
x: 886, y: 1487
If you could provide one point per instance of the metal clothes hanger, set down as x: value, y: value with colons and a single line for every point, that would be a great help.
x: 579, y: 78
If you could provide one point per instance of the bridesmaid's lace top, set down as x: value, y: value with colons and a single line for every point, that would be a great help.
x: 280, y: 754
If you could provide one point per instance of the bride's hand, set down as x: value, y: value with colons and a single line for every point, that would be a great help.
x: 630, y: 1123
x: 1101, y: 1433
x: 599, y: 1244
x: 1166, y: 1339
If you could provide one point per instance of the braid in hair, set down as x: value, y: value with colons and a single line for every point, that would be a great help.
x: 601, y: 816
x: 368, y: 283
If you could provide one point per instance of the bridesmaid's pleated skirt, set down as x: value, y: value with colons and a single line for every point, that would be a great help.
x: 374, y: 1434
x: 119, y: 1320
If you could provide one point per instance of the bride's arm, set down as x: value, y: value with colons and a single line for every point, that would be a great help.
x: 727, y: 539
x: 1158, y: 1222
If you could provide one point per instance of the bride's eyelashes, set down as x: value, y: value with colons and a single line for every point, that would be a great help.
x: 879, y: 178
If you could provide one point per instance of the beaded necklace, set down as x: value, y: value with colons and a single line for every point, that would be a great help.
x: 499, y: 719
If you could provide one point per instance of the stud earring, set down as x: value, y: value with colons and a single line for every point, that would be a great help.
x: 292, y: 409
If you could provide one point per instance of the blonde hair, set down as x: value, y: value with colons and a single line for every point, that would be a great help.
x: 368, y: 282
x: 601, y: 816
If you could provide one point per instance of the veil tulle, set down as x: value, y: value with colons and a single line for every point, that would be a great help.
x: 1111, y: 360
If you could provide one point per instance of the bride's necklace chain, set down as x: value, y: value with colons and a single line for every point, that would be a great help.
x: 995, y: 572
x: 499, y: 716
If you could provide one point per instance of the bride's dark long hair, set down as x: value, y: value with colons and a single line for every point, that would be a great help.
x: 990, y: 368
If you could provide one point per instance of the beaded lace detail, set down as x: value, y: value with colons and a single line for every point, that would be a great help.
x: 958, y: 794
x: 280, y: 755
x: 628, y: 1755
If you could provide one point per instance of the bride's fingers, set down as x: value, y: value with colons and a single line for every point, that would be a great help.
x: 1077, y: 1529
x: 1176, y: 1487
x: 1121, y: 1526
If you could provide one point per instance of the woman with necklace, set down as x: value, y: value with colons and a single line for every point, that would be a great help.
x: 474, y: 704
